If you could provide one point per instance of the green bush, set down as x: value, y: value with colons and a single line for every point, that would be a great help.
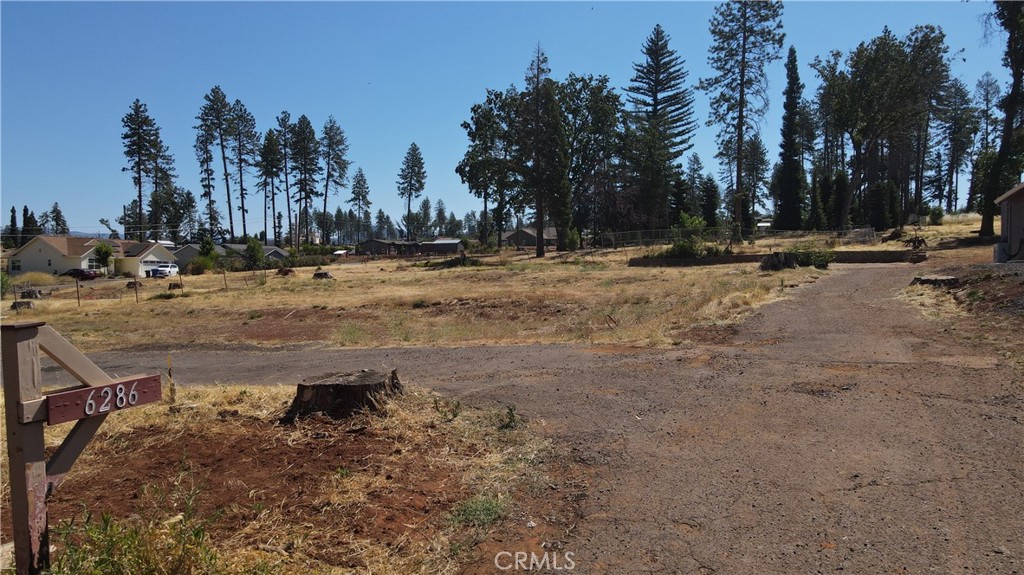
x: 201, y: 264
x: 935, y: 216
x: 812, y: 256
x: 5, y: 284
x: 572, y: 241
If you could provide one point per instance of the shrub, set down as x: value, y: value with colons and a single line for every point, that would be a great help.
x: 812, y: 256
x: 935, y: 216
x: 572, y: 241
x: 5, y: 284
x: 201, y: 264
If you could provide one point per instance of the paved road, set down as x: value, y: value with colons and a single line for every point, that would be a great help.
x: 838, y: 431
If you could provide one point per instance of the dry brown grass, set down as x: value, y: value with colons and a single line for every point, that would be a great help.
x: 509, y: 299
x: 411, y: 440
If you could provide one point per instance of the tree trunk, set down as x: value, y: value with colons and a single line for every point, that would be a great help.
x: 341, y: 395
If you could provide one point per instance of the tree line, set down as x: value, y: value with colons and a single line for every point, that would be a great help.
x: 886, y: 135
x: 49, y: 222
x: 291, y: 169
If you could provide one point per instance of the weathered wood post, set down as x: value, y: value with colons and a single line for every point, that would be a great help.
x: 33, y: 477
x: 23, y: 381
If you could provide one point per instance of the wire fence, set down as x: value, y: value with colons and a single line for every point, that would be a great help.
x: 725, y: 235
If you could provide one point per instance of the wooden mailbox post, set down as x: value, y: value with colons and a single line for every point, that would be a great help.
x: 27, y: 409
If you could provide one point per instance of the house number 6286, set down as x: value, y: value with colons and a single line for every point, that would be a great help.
x: 118, y: 396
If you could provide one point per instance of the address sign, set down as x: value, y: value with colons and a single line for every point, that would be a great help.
x: 101, y: 399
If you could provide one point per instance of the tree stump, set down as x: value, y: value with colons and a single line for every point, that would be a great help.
x: 323, y: 275
x: 32, y: 294
x: 23, y: 305
x: 133, y: 285
x: 286, y: 272
x: 942, y: 281
x: 341, y: 395
x: 776, y: 261
x: 916, y: 257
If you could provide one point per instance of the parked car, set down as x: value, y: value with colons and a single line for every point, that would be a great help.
x: 165, y: 270
x: 81, y: 274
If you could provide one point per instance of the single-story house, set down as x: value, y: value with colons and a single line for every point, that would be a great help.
x: 269, y: 252
x: 443, y: 246
x: 1011, y: 238
x: 141, y: 258
x: 189, y: 252
x: 527, y: 237
x: 377, y: 247
x: 58, y: 254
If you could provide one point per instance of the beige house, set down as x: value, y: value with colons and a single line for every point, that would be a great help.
x: 1011, y: 239
x: 58, y: 254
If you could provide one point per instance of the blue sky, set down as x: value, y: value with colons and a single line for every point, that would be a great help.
x: 391, y: 73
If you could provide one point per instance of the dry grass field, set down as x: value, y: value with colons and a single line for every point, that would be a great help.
x: 428, y: 485
x: 506, y: 299
x: 214, y: 481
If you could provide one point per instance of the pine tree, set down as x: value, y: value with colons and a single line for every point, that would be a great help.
x: 205, y: 139
x: 412, y: 179
x: 141, y: 148
x: 30, y: 227
x: 57, y: 220
x: 215, y: 122
x: 711, y: 199
x: 12, y: 236
x: 243, y: 144
x: 271, y: 164
x: 747, y: 37
x: 333, y: 149
x: 790, y: 181
x: 284, y: 131
x: 305, y: 165
x: 664, y: 120
x: 440, y: 217
x: 360, y: 199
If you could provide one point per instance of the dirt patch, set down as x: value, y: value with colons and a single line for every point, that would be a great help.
x: 991, y: 289
x: 367, y: 493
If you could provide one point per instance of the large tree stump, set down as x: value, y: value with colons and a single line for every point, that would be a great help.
x: 943, y: 281
x: 341, y: 395
x: 776, y: 261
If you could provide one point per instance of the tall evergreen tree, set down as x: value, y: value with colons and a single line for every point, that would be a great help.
x: 284, y: 136
x: 244, y: 145
x: 662, y: 111
x: 305, y: 166
x: 1004, y: 172
x: 747, y: 37
x: 711, y: 199
x: 270, y: 165
x: 959, y: 124
x: 57, y: 220
x: 791, y: 180
x: 215, y: 121
x: 30, y: 227
x: 141, y: 148
x: 360, y: 199
x: 205, y: 139
x: 333, y: 149
x: 12, y: 237
x: 412, y: 178
x: 543, y: 158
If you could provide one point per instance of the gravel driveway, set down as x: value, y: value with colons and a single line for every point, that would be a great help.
x: 838, y: 430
